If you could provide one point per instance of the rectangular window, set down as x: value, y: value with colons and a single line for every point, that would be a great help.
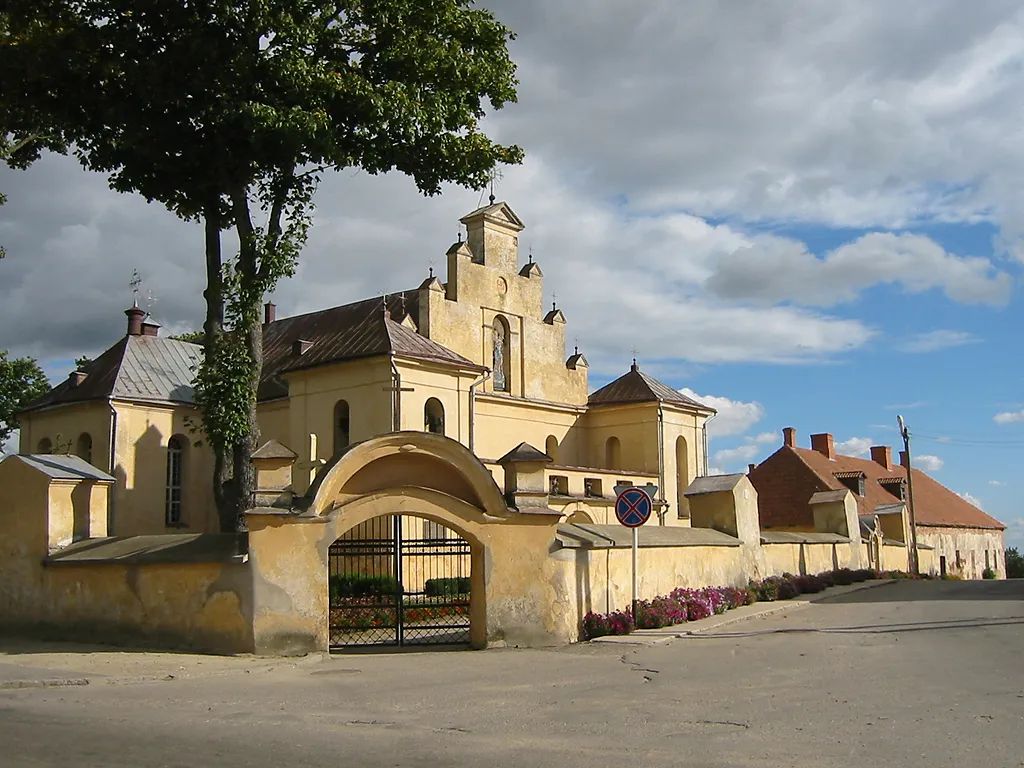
x: 559, y: 485
x: 592, y: 487
x: 172, y: 506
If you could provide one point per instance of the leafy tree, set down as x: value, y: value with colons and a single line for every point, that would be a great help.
x: 1014, y: 564
x: 21, y: 382
x: 228, y: 111
x: 192, y: 337
x: 81, y: 363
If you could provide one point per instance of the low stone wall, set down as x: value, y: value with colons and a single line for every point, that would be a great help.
x: 148, y: 590
x: 801, y: 558
x: 895, y: 557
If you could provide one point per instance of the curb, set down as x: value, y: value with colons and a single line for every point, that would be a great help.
x: 55, y: 682
x: 666, y: 634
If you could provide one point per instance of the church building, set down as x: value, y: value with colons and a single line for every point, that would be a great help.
x: 477, y: 358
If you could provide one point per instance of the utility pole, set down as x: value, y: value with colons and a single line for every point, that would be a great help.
x: 905, y: 434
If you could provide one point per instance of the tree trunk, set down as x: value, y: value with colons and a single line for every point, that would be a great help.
x: 214, y: 327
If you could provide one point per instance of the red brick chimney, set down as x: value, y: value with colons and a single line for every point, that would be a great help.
x: 135, y: 316
x: 269, y: 313
x: 824, y: 444
x: 789, y: 437
x: 904, y: 459
x: 882, y: 454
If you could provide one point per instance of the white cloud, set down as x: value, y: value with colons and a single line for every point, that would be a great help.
x: 855, y: 446
x: 971, y: 500
x: 996, y: 482
x: 933, y: 341
x: 1014, y: 533
x: 741, y: 454
x: 716, y: 471
x: 774, y: 269
x: 765, y: 438
x: 1008, y: 417
x: 11, y: 446
x: 928, y: 463
x: 734, y: 416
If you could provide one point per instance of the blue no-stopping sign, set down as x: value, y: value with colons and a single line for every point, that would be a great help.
x: 633, y: 507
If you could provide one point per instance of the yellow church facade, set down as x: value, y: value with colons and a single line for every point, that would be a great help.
x: 478, y: 358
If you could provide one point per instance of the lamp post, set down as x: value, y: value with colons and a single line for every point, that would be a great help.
x: 905, y: 434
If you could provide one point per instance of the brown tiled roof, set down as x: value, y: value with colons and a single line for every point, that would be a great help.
x: 136, y: 368
x: 787, y: 479
x: 637, y: 387
x: 347, y: 332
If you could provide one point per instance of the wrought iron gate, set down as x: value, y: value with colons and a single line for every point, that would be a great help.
x: 399, y: 580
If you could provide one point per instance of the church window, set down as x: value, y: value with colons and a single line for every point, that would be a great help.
x: 559, y: 485
x: 84, y: 450
x: 592, y: 487
x: 175, y: 469
x: 551, y: 448
x: 613, y: 453
x: 433, y: 416
x: 45, y: 446
x: 341, y: 426
x: 682, y: 472
x: 500, y: 358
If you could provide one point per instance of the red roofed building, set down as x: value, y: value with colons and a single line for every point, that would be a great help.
x: 966, y: 541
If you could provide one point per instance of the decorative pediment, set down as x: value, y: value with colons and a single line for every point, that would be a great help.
x: 495, y: 213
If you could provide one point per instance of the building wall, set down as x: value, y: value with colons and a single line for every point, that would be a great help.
x: 64, y: 425
x: 503, y: 422
x: 971, y: 544
x: 140, y: 471
x: 807, y: 558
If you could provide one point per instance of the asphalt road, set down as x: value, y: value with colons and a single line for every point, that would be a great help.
x: 928, y: 674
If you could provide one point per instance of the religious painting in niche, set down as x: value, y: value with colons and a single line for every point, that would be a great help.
x: 501, y: 355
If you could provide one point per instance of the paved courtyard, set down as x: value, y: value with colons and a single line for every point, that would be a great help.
x: 905, y: 674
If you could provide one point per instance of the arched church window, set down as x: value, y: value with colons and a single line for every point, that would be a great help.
x: 84, y: 447
x: 551, y: 448
x: 682, y: 472
x: 45, y: 446
x: 501, y: 362
x: 433, y: 416
x: 341, y: 426
x: 613, y: 453
x: 175, y: 474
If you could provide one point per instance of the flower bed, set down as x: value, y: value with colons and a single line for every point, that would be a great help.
x: 682, y: 605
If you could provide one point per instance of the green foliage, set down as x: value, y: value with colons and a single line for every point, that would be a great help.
x: 988, y: 573
x: 21, y: 382
x: 1014, y: 564
x: 357, y: 585
x: 81, y: 363
x: 455, y: 586
x: 192, y: 337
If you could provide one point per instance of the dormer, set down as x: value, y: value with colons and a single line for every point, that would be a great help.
x: 493, y: 236
x: 855, y: 480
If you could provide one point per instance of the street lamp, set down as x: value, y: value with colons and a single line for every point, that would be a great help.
x: 905, y: 434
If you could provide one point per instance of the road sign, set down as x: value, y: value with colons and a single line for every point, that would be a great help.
x: 633, y: 507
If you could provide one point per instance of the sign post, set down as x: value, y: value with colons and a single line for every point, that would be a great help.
x: 633, y: 508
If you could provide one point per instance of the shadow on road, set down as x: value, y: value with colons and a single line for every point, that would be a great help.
x: 873, y: 629
x: 901, y: 591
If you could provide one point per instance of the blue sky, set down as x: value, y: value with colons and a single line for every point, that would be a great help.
x: 808, y: 213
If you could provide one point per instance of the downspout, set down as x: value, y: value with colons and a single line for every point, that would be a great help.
x: 472, y: 406
x: 396, y: 397
x: 704, y: 429
x: 661, y: 466
x: 113, y: 456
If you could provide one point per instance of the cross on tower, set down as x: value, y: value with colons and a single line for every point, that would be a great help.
x: 135, y: 282
x: 554, y: 301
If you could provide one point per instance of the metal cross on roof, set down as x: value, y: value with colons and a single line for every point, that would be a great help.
x: 135, y: 282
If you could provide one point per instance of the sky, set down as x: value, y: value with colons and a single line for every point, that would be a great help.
x: 805, y: 214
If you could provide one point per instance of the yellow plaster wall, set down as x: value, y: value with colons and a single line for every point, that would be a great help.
x: 64, y: 425
x: 141, y: 472
x: 450, y: 388
x: 969, y: 542
x: 635, y: 426
x: 807, y: 558
x: 503, y: 422
x: 894, y: 558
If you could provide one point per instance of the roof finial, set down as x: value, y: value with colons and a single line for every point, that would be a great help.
x: 531, y: 254
x: 634, y: 367
x: 135, y: 282
x: 402, y: 299
x: 384, y: 306
x: 431, y: 273
x: 460, y: 234
x: 554, y: 300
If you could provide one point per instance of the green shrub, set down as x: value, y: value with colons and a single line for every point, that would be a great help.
x: 988, y: 573
x: 445, y: 587
x: 342, y: 585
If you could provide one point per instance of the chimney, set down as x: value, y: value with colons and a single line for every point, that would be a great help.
x: 882, y: 454
x: 150, y: 327
x: 904, y: 459
x: 77, y: 377
x: 300, y: 347
x: 135, y: 316
x: 789, y: 437
x: 269, y: 313
x: 824, y: 444
x: 751, y: 468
